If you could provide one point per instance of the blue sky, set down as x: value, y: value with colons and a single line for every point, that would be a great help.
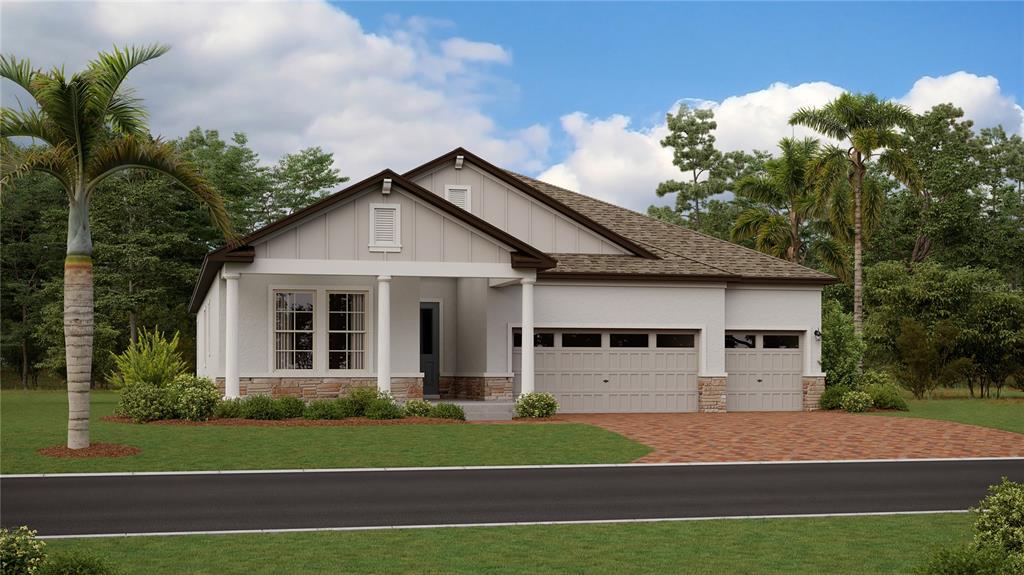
x: 574, y: 93
x: 639, y: 58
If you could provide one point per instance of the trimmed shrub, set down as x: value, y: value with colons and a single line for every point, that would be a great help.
x: 152, y: 360
x: 855, y: 401
x: 228, y: 408
x: 320, y: 409
x: 884, y: 392
x: 195, y: 397
x: 361, y: 398
x: 832, y: 397
x: 290, y: 406
x: 841, y: 347
x: 261, y: 407
x: 448, y: 411
x: 1000, y: 521
x: 536, y: 404
x: 417, y: 408
x: 20, y: 551
x: 76, y: 564
x: 143, y: 402
x: 969, y: 560
x: 384, y: 408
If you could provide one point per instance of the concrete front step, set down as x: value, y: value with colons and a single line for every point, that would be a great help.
x: 484, y: 410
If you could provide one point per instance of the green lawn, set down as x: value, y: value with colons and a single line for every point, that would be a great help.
x: 862, y: 545
x: 34, y: 419
x: 1007, y: 414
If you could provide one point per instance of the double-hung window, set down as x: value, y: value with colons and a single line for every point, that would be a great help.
x: 293, y: 329
x: 346, y: 330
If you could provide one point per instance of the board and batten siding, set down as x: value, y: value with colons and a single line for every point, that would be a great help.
x: 343, y: 233
x: 517, y: 213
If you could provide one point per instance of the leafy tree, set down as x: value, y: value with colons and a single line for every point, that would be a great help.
x: 787, y: 218
x: 992, y: 336
x: 92, y: 127
x: 866, y: 125
x: 841, y: 347
x: 926, y: 358
x: 299, y: 180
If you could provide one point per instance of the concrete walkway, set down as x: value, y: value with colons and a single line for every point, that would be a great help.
x: 796, y: 436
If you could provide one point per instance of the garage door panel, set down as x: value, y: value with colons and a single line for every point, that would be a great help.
x: 764, y: 379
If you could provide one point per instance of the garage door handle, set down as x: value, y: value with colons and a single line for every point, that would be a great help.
x: 604, y: 381
x: 759, y: 380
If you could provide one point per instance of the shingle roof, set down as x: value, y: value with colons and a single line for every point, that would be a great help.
x: 683, y: 252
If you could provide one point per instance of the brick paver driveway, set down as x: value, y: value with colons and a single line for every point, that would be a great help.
x: 681, y: 437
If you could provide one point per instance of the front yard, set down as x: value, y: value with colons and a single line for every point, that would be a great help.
x: 863, y: 545
x: 35, y: 419
x: 1006, y: 414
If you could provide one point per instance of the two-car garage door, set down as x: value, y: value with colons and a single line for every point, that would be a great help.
x: 614, y: 371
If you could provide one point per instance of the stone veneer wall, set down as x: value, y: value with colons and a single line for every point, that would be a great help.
x: 813, y: 388
x: 309, y: 388
x: 476, y: 388
x: 711, y: 394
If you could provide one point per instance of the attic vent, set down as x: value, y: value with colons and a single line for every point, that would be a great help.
x: 385, y: 228
x: 458, y: 195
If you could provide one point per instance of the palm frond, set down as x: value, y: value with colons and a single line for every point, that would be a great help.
x: 107, y: 73
x: 749, y: 222
x: 58, y: 161
x: 820, y: 120
x: 833, y: 256
x: 128, y: 152
x: 18, y: 71
x: 872, y: 203
x: 760, y: 189
x: 28, y: 124
x: 900, y: 166
x: 829, y: 169
x: 62, y: 101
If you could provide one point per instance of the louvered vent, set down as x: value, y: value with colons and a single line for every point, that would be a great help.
x: 458, y: 195
x: 385, y: 226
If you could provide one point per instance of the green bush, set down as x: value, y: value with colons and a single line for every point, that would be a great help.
x: 195, y: 397
x: 75, y: 564
x: 20, y: 551
x: 832, y: 397
x: 1000, y: 521
x: 970, y: 560
x: 383, y: 408
x: 448, y: 411
x: 854, y: 401
x: 841, y: 347
x: 291, y: 406
x: 152, y: 360
x: 229, y: 409
x: 261, y: 407
x: 417, y: 408
x: 884, y: 392
x: 536, y: 404
x: 361, y: 398
x: 320, y: 409
x: 143, y: 402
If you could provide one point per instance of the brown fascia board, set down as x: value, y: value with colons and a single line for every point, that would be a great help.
x: 682, y: 278
x: 525, y: 256
x: 565, y: 210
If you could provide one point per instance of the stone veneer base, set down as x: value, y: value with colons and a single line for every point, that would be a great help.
x: 310, y: 388
x: 711, y: 394
x: 813, y: 388
x: 476, y: 388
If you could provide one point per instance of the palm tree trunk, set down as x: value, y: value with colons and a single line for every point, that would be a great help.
x: 78, y: 330
x: 858, y: 282
x: 793, y: 251
x: 24, y: 348
x: 78, y: 320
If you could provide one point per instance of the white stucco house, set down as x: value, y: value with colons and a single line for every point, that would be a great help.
x: 461, y: 280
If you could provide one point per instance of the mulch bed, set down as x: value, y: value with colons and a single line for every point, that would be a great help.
x: 296, y: 422
x: 94, y: 450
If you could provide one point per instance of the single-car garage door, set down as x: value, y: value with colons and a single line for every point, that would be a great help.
x: 764, y: 372
x: 614, y: 371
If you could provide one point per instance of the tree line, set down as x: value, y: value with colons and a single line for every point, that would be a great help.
x: 921, y: 217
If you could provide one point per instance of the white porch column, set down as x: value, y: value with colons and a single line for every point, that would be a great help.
x: 384, y: 333
x: 527, y: 347
x: 231, y: 388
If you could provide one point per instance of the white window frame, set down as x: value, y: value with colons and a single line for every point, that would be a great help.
x: 469, y: 195
x: 366, y: 331
x: 273, y: 330
x: 389, y: 247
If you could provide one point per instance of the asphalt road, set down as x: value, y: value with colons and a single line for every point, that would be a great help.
x: 175, y: 503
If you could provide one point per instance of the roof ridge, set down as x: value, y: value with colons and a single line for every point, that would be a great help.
x: 674, y: 227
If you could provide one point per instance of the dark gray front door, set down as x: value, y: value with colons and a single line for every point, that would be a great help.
x: 430, y: 346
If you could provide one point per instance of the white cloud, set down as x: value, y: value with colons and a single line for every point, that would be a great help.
x: 980, y: 97
x: 292, y: 75
x: 616, y: 161
x: 462, y: 49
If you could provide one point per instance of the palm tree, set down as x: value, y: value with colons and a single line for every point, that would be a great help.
x: 788, y: 219
x: 865, y: 125
x: 88, y: 127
